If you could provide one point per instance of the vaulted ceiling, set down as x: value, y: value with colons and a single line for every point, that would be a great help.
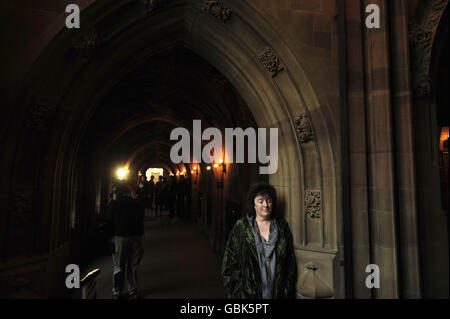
x: 133, y: 123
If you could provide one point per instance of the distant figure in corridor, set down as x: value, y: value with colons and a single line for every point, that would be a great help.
x: 142, y: 190
x: 151, y: 190
x: 259, y: 260
x: 172, y: 195
x: 125, y: 220
x: 159, y: 200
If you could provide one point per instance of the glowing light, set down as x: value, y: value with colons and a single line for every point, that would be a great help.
x: 178, y: 173
x: 216, y: 165
x: 192, y: 172
x: 208, y: 167
x: 221, y: 161
x: 122, y: 173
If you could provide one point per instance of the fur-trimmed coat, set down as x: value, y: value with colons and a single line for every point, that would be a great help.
x: 240, y: 268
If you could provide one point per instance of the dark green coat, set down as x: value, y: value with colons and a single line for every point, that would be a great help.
x: 240, y: 268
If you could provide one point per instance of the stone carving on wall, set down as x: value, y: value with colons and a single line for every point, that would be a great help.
x: 313, y: 203
x: 311, y: 285
x: 303, y: 128
x: 38, y: 117
x: 152, y: 5
x: 88, y: 44
x: 21, y: 206
x: 270, y: 61
x: 217, y: 9
x: 421, y: 36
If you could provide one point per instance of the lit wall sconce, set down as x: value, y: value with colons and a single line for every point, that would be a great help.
x: 122, y: 173
x: 224, y: 170
x: 208, y: 167
x: 195, y: 170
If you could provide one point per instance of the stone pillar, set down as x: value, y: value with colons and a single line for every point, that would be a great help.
x: 358, y: 187
x: 409, y: 275
x: 380, y: 153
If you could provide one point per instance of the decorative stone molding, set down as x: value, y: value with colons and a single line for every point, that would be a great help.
x: 89, y: 43
x: 270, y: 61
x: 38, y: 117
x: 217, y: 9
x: 303, y: 128
x: 311, y: 285
x: 152, y: 5
x: 313, y: 204
x: 421, y: 36
x: 21, y: 206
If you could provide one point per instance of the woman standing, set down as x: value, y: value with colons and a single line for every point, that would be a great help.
x: 259, y: 260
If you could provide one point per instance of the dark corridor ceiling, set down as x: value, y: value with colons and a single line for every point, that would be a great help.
x: 169, y: 90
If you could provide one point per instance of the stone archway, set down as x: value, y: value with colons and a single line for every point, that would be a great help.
x: 248, y: 52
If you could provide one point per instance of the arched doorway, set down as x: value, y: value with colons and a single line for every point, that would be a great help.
x: 246, y: 50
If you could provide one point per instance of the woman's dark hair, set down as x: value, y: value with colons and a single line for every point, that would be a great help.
x: 261, y: 189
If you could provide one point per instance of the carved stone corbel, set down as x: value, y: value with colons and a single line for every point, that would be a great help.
x: 311, y: 285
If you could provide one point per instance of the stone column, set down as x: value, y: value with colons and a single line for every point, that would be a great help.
x: 380, y: 153
x: 409, y: 275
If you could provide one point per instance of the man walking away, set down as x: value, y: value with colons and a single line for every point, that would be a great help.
x: 125, y: 220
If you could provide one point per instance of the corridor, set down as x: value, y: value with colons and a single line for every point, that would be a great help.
x: 177, y: 263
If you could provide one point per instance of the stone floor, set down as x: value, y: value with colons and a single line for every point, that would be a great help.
x: 177, y: 263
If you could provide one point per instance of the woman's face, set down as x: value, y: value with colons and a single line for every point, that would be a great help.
x: 263, y: 206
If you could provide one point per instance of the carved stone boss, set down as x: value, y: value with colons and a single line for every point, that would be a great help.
x: 270, y: 61
x: 151, y: 5
x: 313, y: 204
x: 303, y: 128
x: 88, y: 43
x: 421, y: 38
x: 217, y: 9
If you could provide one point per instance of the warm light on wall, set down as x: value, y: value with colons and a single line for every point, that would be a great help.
x: 443, y: 140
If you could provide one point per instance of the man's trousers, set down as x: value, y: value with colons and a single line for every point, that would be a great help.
x: 126, y: 256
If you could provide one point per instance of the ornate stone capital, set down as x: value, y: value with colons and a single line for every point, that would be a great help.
x: 421, y: 37
x: 313, y: 203
x: 270, y: 61
x: 217, y: 9
x: 303, y: 128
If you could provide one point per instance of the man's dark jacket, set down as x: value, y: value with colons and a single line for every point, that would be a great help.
x: 240, y: 268
x: 125, y: 217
